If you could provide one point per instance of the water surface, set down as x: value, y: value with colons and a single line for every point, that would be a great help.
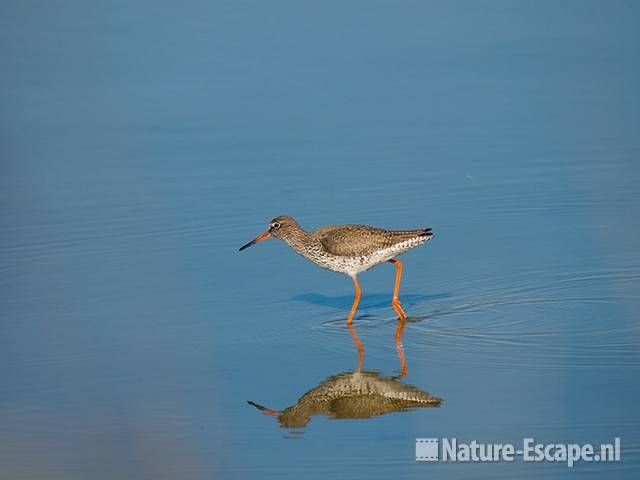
x: 143, y: 143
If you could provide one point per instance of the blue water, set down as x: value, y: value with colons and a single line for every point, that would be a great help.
x: 143, y: 143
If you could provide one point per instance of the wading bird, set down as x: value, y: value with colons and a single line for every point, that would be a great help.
x: 348, y: 249
x: 356, y: 394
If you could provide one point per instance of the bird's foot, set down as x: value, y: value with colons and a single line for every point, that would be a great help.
x: 397, y: 306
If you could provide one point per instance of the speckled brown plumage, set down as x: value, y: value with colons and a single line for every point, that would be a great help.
x: 359, y: 394
x: 348, y: 249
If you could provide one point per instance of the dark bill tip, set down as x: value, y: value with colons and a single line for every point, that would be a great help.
x: 252, y: 242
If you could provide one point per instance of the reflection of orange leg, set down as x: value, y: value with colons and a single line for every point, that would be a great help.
x: 397, y: 306
x: 358, y: 344
x: 354, y: 307
x: 400, y: 348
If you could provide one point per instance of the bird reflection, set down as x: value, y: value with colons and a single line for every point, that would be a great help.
x: 356, y: 394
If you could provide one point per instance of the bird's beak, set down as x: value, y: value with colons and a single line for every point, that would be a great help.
x: 265, y: 410
x: 262, y: 237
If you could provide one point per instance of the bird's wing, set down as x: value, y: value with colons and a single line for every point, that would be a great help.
x: 353, y: 240
x: 362, y: 240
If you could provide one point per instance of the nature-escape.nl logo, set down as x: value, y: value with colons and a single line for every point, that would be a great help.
x: 452, y: 450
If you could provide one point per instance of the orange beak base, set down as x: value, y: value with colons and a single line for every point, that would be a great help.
x: 262, y: 237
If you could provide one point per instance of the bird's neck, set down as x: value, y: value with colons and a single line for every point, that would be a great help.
x: 297, y: 238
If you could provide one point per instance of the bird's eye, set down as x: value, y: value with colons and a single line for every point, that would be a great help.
x: 275, y: 225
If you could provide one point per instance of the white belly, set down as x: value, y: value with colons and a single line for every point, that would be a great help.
x: 353, y: 265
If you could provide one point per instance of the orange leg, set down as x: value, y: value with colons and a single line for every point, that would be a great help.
x: 400, y: 347
x: 397, y: 306
x: 358, y: 345
x: 354, y: 307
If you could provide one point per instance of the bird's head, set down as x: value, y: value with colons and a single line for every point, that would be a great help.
x: 279, y: 227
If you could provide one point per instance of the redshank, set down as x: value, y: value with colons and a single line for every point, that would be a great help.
x: 355, y: 394
x: 348, y: 249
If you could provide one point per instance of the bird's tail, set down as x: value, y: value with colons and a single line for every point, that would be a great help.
x: 407, y: 234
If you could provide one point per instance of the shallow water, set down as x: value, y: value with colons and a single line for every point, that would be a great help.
x: 143, y: 144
